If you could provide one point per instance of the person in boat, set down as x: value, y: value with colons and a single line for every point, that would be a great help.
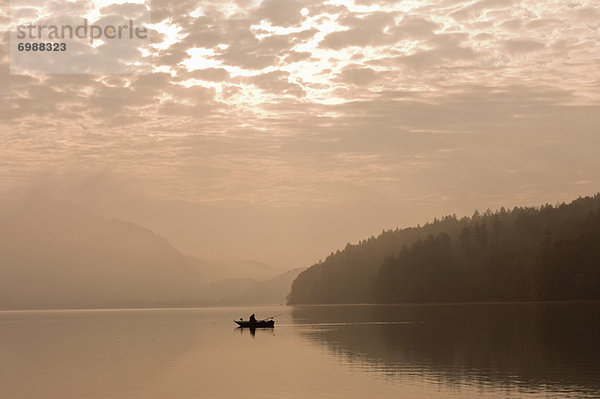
x: 252, y: 318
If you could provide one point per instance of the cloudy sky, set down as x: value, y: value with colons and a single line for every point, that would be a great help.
x: 280, y: 130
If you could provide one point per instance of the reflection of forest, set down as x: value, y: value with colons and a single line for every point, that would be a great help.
x: 526, y: 345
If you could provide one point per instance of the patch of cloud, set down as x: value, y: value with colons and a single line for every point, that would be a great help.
x: 277, y: 82
x: 519, y: 46
x: 280, y: 12
x: 477, y: 9
x: 209, y: 74
x: 369, y: 30
x: 358, y: 75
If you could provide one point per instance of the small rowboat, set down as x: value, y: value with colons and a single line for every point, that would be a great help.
x: 256, y: 324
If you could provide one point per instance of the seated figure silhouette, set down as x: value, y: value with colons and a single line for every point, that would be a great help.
x: 252, y: 318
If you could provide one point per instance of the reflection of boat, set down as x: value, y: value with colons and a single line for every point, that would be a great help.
x: 256, y: 324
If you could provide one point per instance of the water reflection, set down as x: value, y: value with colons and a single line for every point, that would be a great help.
x: 351, y: 352
x: 527, y: 347
x: 252, y: 331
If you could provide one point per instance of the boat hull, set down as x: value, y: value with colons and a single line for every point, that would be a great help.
x: 255, y: 324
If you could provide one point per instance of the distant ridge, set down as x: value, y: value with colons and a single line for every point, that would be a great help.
x: 545, y: 253
x: 58, y: 255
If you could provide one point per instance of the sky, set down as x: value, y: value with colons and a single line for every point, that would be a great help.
x: 281, y: 130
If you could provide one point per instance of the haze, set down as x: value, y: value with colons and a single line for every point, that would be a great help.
x: 280, y: 130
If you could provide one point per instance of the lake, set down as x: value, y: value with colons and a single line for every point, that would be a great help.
x: 527, y: 350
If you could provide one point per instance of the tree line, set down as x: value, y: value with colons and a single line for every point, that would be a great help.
x: 527, y: 253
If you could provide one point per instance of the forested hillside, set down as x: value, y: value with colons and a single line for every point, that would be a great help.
x: 546, y: 253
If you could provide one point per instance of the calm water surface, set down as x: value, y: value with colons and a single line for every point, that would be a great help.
x: 426, y: 351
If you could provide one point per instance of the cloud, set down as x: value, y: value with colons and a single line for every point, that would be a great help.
x: 444, y: 48
x: 519, y: 46
x: 358, y: 75
x: 412, y: 27
x: 280, y: 12
x: 247, y: 51
x: 475, y: 10
x: 286, y: 109
x: 277, y: 82
x: 369, y: 30
x: 296, y: 56
x: 210, y: 74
